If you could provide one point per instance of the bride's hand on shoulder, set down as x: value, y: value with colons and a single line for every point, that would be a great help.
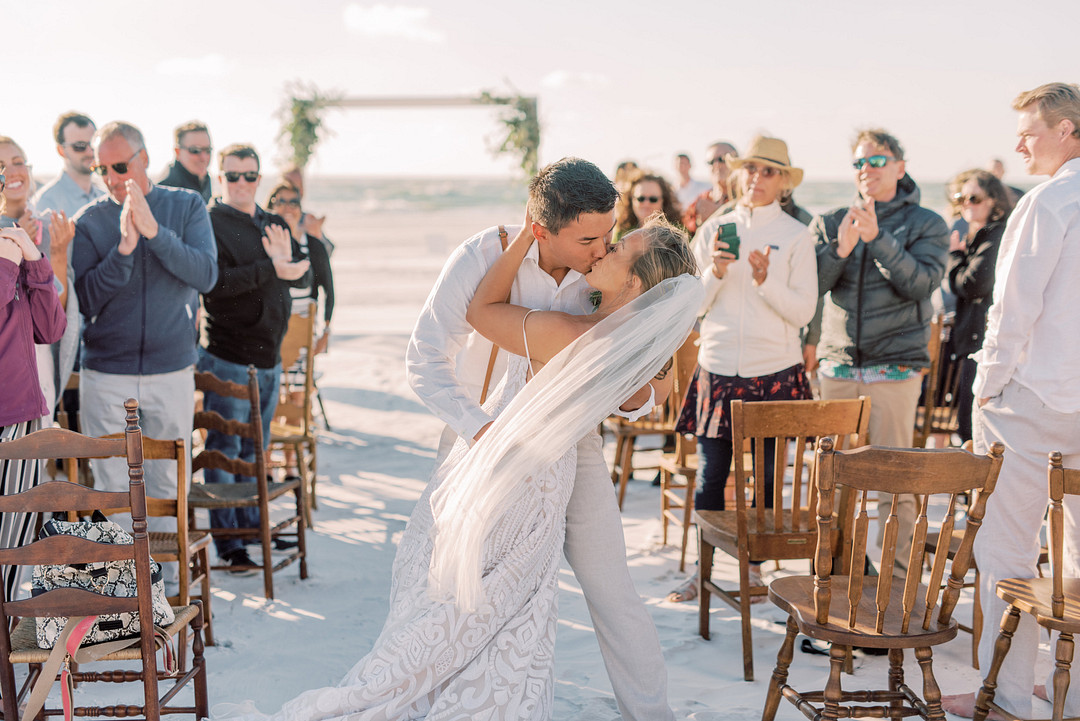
x: 525, y: 235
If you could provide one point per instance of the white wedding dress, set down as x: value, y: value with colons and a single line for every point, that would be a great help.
x: 487, y: 535
x: 434, y: 661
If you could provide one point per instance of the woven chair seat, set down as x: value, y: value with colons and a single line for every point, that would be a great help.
x: 234, y: 495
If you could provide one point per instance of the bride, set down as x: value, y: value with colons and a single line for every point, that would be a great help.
x: 473, y: 601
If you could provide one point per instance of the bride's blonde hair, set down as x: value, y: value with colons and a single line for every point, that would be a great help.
x: 667, y: 253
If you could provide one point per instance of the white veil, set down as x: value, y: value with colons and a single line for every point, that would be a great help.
x: 570, y: 395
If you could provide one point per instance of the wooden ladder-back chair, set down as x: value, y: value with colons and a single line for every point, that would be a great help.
x: 1054, y: 602
x: 259, y: 494
x: 789, y: 529
x: 292, y: 430
x: 188, y: 548
x: 938, y: 412
x: 661, y: 421
x: 19, y: 645
x: 897, y: 612
x: 677, y: 497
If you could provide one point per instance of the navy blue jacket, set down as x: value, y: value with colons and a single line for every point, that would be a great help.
x: 140, y: 310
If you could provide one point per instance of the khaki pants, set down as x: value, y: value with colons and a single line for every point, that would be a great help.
x: 892, y: 423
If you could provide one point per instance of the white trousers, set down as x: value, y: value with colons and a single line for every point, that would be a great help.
x: 1008, y: 542
x: 166, y: 407
x: 596, y: 551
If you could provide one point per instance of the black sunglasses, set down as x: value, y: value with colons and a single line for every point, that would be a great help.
x: 650, y: 198
x: 960, y: 199
x: 874, y: 161
x: 714, y: 161
x: 294, y: 202
x: 234, y: 176
x: 198, y: 149
x: 79, y: 146
x: 118, y: 168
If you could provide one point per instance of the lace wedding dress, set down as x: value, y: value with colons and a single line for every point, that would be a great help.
x: 435, y: 661
x: 473, y: 605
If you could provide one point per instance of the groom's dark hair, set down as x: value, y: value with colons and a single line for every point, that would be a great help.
x: 564, y: 190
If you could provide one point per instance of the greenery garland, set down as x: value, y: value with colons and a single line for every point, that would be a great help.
x: 302, y: 120
x: 522, y: 124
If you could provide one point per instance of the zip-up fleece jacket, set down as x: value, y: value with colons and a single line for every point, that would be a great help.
x: 140, y: 310
x: 247, y: 312
x: 878, y: 309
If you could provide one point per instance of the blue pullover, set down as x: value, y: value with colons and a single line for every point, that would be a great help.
x: 140, y: 310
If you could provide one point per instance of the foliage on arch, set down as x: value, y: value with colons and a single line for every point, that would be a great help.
x: 521, y: 123
x: 302, y: 116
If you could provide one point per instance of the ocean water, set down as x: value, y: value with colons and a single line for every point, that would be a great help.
x: 369, y: 195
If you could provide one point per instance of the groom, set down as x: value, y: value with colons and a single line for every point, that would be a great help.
x: 572, y: 205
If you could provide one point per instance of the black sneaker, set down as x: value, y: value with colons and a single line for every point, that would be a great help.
x: 237, y: 559
x: 284, y: 544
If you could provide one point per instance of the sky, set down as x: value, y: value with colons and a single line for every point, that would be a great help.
x: 615, y: 80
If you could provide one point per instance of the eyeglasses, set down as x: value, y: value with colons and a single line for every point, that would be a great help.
x: 767, y: 171
x: 293, y: 202
x: 648, y: 198
x: 233, y: 176
x: 79, y: 146
x: 874, y: 161
x: 960, y: 199
x: 198, y: 149
x: 714, y: 161
x: 118, y: 168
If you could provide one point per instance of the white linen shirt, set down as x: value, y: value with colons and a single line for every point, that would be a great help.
x: 1033, y: 326
x: 446, y: 359
x: 749, y: 330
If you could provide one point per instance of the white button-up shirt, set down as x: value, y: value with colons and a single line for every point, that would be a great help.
x: 446, y: 360
x: 1033, y: 327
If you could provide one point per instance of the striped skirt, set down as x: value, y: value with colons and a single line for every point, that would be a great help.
x: 15, y: 477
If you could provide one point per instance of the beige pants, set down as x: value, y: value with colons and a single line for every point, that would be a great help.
x: 892, y: 423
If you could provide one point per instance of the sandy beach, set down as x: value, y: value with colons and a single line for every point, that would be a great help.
x: 373, y: 465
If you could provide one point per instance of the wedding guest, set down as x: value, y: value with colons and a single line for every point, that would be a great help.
x: 141, y: 256
x: 1026, y: 386
x: 708, y: 202
x: 285, y: 200
x: 686, y: 189
x: 52, y: 234
x: 623, y: 171
x: 73, y: 187
x: 649, y: 194
x: 295, y: 174
x: 984, y: 205
x: 756, y: 303
x: 191, y: 168
x: 30, y: 312
x: 879, y: 260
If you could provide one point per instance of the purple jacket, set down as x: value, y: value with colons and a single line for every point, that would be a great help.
x: 30, y: 312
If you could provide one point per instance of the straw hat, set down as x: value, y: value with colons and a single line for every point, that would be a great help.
x: 767, y: 151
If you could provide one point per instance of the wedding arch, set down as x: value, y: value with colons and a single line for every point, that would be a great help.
x: 303, y: 112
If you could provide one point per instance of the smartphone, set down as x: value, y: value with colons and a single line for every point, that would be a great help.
x: 728, y: 234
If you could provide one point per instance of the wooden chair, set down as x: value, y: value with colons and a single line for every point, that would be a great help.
x: 259, y: 494
x: 897, y: 612
x: 677, y: 498
x: 660, y: 422
x: 19, y: 645
x: 1054, y: 603
x: 937, y: 413
x: 292, y: 430
x: 788, y: 529
x: 188, y: 548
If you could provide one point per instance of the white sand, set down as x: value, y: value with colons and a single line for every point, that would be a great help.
x: 372, y: 468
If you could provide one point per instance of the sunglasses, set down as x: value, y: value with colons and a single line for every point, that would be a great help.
x: 198, y: 149
x: 714, y: 161
x: 648, y: 198
x: 767, y: 171
x: 3, y: 181
x: 874, y: 161
x: 294, y: 202
x: 79, y: 146
x: 234, y: 176
x: 960, y: 199
x: 118, y: 168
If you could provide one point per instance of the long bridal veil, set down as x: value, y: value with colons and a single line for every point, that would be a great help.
x: 570, y: 395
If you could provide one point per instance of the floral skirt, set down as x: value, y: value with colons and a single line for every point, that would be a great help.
x: 706, y: 411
